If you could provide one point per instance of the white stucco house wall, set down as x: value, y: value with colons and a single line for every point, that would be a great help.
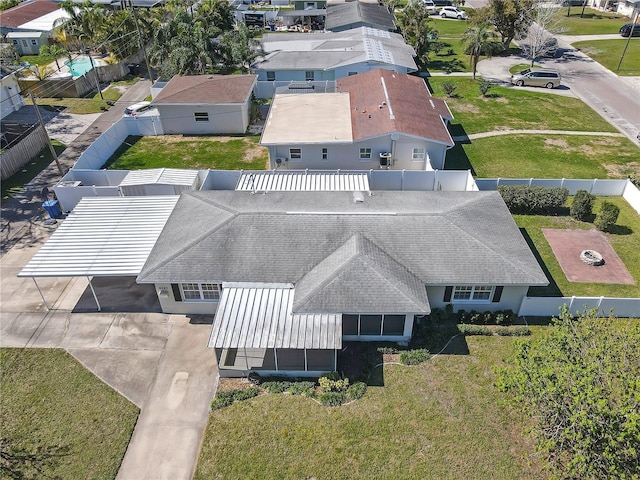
x: 376, y: 119
x: 205, y: 104
x: 10, y: 98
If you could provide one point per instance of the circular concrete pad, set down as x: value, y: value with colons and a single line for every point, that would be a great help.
x: 567, y: 245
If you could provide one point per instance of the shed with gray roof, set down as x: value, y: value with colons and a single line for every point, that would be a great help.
x: 347, y: 15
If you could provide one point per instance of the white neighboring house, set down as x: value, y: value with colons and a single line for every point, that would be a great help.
x: 205, y: 104
x: 28, y: 43
x: 10, y: 98
x: 328, y: 56
x: 377, y: 119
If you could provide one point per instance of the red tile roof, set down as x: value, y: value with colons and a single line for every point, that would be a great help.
x: 23, y: 13
x: 206, y: 89
x: 384, y: 101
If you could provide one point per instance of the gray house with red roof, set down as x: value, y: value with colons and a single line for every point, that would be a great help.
x: 205, y: 104
x: 376, y: 119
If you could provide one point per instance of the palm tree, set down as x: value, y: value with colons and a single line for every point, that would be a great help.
x: 416, y: 29
x: 479, y: 41
x: 54, y: 51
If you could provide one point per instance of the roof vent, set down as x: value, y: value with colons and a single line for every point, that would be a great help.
x: 358, y: 197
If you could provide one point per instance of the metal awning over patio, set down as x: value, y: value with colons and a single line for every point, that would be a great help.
x: 259, y: 316
x: 303, y: 181
x: 103, y: 236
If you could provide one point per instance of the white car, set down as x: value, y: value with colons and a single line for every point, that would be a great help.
x: 453, y: 12
x: 430, y: 7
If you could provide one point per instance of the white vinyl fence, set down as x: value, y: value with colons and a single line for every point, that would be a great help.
x: 605, y: 188
x: 550, y: 306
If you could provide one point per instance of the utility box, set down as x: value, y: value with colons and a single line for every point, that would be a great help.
x: 52, y: 207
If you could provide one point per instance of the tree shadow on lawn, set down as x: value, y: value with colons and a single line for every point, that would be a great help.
x: 551, y: 290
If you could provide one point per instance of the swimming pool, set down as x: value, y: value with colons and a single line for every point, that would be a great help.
x: 79, y: 66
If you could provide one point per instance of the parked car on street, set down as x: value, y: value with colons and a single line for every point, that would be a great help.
x: 443, y: 3
x: 453, y: 12
x: 625, y: 30
x: 430, y: 7
x: 539, y: 77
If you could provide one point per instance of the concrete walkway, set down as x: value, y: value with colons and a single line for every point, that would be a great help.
x: 160, y: 362
x: 496, y: 133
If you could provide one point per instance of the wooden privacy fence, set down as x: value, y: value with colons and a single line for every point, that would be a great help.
x: 550, y: 306
x: 12, y: 160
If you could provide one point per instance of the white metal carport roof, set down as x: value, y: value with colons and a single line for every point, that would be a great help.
x: 103, y: 236
x: 259, y: 316
x: 166, y: 176
x: 275, y: 181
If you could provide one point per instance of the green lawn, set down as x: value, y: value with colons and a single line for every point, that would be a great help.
x: 94, y: 104
x: 54, y: 408
x: 18, y: 180
x: 625, y: 242
x: 608, y: 53
x: 37, y: 59
x: 546, y: 156
x: 594, y: 22
x: 443, y: 419
x: 511, y: 108
x: 191, y: 152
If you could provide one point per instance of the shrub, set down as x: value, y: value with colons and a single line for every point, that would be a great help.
x: 533, y: 200
x: 305, y: 388
x: 332, y: 399
x: 329, y: 383
x: 519, y: 331
x: 607, y: 216
x: 635, y: 179
x: 224, y: 399
x: 484, y: 85
x: 356, y: 390
x: 449, y: 88
x: 387, y: 350
x: 473, y: 329
x: 414, y: 357
x: 582, y: 205
x: 276, y: 386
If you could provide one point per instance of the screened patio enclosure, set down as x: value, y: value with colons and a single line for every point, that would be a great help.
x: 255, y: 330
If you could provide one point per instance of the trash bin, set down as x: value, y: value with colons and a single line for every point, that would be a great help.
x: 134, y: 69
x: 52, y: 207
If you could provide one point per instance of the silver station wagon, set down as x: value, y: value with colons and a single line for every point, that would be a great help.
x: 538, y: 77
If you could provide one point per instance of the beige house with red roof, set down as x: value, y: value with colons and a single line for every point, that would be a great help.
x: 205, y: 104
x: 376, y: 119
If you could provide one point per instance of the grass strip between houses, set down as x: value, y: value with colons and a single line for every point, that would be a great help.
x: 50, y: 405
x: 190, y: 152
x: 608, y: 54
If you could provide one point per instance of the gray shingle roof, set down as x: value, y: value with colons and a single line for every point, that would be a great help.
x: 360, y: 277
x: 441, y: 238
x: 340, y: 15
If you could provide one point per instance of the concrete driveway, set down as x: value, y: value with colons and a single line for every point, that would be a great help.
x: 160, y: 362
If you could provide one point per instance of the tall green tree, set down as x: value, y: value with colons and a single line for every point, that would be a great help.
x: 54, y: 50
x: 510, y: 18
x: 479, y: 40
x: 240, y: 47
x: 416, y: 29
x: 581, y: 385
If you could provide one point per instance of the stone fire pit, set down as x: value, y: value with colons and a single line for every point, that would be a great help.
x: 591, y: 257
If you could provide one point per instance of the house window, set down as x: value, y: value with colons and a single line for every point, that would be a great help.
x: 352, y: 73
x: 308, y: 76
x: 325, y: 154
x: 295, y: 154
x: 365, y: 154
x: 34, y: 42
x: 15, y: 42
x: 24, y: 43
x: 418, y: 154
x: 271, y: 76
x: 472, y: 292
x: 201, y: 116
x: 373, y: 325
x: 200, y: 291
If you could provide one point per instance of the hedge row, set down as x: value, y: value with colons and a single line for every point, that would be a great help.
x: 523, y: 199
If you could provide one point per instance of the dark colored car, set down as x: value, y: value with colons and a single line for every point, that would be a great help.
x: 625, y: 30
x: 443, y: 3
x: 572, y: 3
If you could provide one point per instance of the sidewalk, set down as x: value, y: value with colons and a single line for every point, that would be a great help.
x: 21, y: 213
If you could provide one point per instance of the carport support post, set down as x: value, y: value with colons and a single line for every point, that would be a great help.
x: 40, y: 292
x: 246, y: 359
x: 95, y: 297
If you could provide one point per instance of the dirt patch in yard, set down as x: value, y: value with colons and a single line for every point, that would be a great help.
x: 556, y: 142
x: 254, y: 152
x: 465, y: 107
x: 623, y: 170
